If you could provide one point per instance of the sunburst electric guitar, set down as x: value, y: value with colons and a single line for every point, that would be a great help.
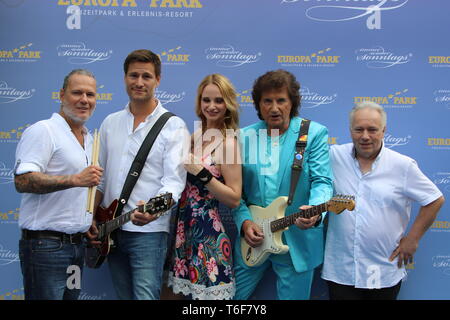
x: 107, y: 222
x: 273, y: 222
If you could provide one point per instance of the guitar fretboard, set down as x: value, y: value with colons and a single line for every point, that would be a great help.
x: 285, y: 222
x: 155, y: 206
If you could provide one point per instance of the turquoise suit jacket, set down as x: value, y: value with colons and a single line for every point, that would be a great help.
x: 314, y: 187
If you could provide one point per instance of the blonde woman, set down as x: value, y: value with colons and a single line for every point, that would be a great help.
x: 202, y: 265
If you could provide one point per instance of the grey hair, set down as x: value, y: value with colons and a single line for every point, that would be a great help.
x: 369, y: 105
x: 83, y: 72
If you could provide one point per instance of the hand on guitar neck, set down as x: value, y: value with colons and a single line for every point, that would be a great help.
x: 306, y: 223
x: 141, y: 219
x: 137, y: 218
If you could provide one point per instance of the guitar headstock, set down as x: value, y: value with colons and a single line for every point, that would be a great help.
x: 340, y: 202
x: 158, y: 205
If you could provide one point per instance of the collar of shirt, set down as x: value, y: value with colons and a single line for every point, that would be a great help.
x: 156, y: 112
x: 374, y: 164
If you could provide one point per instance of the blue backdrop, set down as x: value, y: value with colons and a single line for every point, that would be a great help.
x: 395, y: 52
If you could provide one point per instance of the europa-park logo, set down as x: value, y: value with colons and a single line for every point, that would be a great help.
x: 440, y: 61
x: 439, y: 143
x: 440, y: 226
x: 396, y: 100
x: 244, y: 98
x: 22, y: 53
x: 16, y: 294
x: 162, y: 9
x: 102, y: 96
x: 12, y: 135
x: 175, y: 57
x: 320, y: 58
x: 133, y: 3
x: 10, y: 216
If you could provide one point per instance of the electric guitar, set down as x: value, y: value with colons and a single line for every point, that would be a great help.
x: 107, y: 222
x: 273, y: 223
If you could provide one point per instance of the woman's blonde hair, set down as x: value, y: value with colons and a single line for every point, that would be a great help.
x: 231, y: 120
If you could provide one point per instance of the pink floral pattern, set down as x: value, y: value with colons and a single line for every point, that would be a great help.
x: 202, y: 252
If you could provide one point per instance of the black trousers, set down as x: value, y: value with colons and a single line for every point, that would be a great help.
x: 343, y: 292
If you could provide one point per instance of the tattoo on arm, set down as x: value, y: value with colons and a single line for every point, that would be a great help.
x: 37, y: 182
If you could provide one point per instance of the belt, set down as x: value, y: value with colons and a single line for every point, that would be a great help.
x: 75, y: 238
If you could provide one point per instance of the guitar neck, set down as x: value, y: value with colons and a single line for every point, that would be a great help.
x: 285, y: 222
x: 115, y: 223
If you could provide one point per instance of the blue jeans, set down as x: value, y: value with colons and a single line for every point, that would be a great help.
x: 45, y: 268
x: 137, y: 263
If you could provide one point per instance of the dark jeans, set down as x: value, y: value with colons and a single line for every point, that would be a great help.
x: 48, y: 269
x: 344, y: 292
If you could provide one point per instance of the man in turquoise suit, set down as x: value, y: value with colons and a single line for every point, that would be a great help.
x: 268, y: 149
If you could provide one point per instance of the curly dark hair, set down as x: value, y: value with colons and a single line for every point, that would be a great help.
x: 277, y: 80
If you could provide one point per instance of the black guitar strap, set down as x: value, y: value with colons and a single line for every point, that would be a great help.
x: 139, y: 161
x: 297, y: 165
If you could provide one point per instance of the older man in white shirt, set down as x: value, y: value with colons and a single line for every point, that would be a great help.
x: 52, y: 171
x: 137, y: 264
x: 366, y: 250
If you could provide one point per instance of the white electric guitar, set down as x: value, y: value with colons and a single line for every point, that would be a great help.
x: 273, y: 222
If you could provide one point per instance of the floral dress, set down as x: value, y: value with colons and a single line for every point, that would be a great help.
x: 202, y: 258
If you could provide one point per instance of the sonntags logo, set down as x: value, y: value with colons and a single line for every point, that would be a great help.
x: 101, y: 98
x: 334, y: 11
x: 391, y: 141
x: 23, y: 53
x: 166, y: 97
x: 7, y: 256
x: 439, y: 61
x: 442, y: 180
x: 12, y: 135
x: 89, y: 296
x: 442, y: 263
x: 10, y: 216
x: 229, y: 57
x: 6, y: 174
x: 79, y: 53
x: 174, y: 57
x: 320, y: 58
x: 10, y: 94
x: 442, y: 96
x: 312, y: 99
x: 380, y: 58
x: 395, y: 100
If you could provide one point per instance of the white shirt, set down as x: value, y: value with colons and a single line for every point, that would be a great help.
x: 162, y: 172
x: 360, y: 242
x: 50, y: 147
